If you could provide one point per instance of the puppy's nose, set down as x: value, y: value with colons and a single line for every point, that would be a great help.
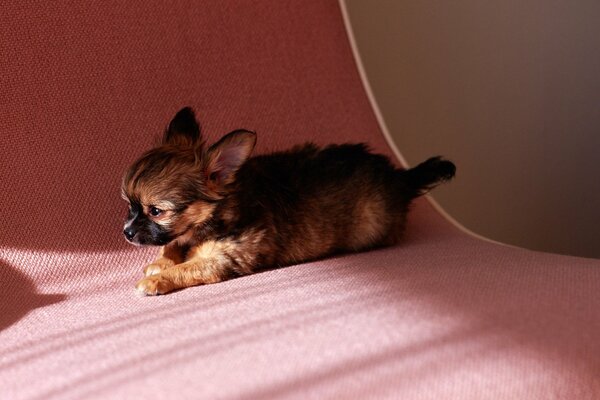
x: 129, y: 233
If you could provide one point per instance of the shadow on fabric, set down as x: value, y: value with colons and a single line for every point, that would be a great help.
x: 19, y: 296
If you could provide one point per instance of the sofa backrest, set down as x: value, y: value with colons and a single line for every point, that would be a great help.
x: 85, y: 87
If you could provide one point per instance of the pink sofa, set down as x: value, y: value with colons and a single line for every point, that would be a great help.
x: 85, y: 87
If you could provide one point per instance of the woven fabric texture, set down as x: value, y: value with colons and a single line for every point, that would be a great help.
x: 85, y: 87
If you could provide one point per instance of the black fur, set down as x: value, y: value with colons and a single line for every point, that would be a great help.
x: 147, y: 231
x: 184, y: 128
x: 273, y: 191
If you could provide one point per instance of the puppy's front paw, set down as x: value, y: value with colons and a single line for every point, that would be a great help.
x: 155, y: 268
x: 153, y: 285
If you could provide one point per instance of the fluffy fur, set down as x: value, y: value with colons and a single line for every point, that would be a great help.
x: 219, y: 214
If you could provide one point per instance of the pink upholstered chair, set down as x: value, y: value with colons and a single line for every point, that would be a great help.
x: 85, y: 87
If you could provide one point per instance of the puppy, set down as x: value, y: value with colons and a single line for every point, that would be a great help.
x: 219, y: 214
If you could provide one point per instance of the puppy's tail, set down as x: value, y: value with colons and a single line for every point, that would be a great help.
x: 427, y: 175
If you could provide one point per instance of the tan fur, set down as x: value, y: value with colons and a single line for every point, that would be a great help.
x: 370, y: 220
x: 170, y: 255
x: 197, y: 213
x: 311, y: 242
x: 205, y: 263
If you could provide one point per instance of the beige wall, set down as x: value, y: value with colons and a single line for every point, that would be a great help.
x: 510, y: 90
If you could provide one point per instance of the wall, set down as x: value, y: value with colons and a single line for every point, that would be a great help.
x: 509, y: 90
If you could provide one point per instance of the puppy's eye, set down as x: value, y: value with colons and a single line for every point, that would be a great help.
x: 155, y: 212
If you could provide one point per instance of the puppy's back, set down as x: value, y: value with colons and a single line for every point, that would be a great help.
x: 316, y: 202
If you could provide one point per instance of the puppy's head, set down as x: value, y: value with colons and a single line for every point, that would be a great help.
x: 177, y: 186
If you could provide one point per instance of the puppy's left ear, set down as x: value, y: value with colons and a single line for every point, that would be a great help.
x: 225, y: 157
x: 183, y: 130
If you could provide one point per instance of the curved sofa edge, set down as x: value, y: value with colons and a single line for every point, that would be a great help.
x: 385, y: 131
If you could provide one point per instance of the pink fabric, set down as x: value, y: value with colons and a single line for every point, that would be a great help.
x: 86, y: 87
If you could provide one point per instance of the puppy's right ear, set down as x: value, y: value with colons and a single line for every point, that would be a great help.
x: 183, y: 130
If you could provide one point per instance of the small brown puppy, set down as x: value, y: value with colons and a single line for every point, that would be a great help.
x: 220, y: 214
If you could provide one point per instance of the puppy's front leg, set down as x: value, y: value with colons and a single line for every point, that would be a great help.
x: 170, y: 255
x: 210, y: 262
x: 189, y: 273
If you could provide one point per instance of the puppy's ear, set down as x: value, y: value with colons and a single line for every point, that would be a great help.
x: 226, y: 156
x: 183, y: 130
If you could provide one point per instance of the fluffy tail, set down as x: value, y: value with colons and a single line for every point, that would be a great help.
x: 427, y: 175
